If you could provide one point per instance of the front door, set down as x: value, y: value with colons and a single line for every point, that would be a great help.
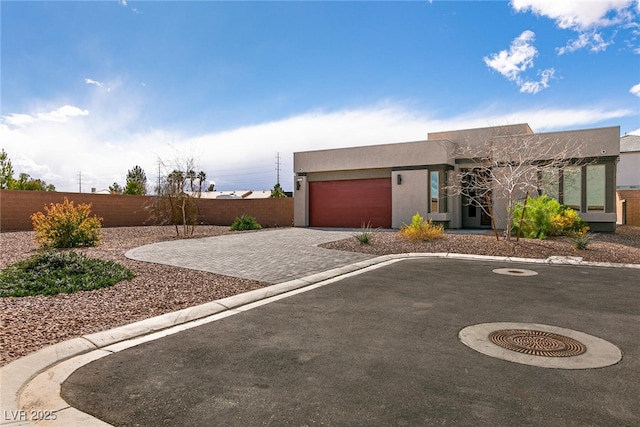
x: 474, y: 207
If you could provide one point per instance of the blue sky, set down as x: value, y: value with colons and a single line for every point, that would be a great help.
x: 97, y: 87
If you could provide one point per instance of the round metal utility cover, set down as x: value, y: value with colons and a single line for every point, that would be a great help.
x: 540, y: 345
x: 515, y: 272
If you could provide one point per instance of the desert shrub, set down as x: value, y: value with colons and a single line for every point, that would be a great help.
x: 365, y: 236
x: 545, y: 217
x: 67, y: 226
x: 52, y: 273
x: 245, y: 222
x: 580, y: 239
x: 421, y: 229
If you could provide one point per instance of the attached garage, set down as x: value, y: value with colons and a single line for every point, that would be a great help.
x: 350, y: 203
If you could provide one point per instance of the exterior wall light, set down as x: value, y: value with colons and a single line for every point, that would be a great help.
x: 399, y: 179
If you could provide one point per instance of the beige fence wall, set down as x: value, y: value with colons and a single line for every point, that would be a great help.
x: 17, y: 206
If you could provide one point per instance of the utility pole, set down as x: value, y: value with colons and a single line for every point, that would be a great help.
x: 159, y: 183
x: 278, y: 167
x: 80, y: 182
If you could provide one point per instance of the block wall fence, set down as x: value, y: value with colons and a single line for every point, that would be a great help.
x: 17, y: 206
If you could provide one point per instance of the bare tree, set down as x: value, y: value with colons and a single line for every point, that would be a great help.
x: 176, y: 202
x: 506, y: 168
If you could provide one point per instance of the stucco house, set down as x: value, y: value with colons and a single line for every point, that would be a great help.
x: 385, y: 185
x: 628, y: 180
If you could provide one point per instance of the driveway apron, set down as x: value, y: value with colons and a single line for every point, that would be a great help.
x: 271, y: 256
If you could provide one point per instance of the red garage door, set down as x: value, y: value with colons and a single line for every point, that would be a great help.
x: 350, y: 203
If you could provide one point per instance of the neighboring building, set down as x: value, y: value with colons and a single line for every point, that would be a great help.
x: 629, y: 166
x: 236, y: 194
x: 385, y: 185
x: 628, y: 181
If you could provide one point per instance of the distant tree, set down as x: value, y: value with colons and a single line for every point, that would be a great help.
x: 211, y: 187
x: 6, y: 171
x: 115, y: 188
x: 202, y: 177
x: 136, y: 181
x: 24, y: 181
x: 277, y: 191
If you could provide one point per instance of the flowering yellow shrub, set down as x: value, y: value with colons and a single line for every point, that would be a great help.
x: 421, y: 230
x: 67, y: 226
x: 568, y: 221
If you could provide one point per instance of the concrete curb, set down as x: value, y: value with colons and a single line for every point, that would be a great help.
x: 30, y: 386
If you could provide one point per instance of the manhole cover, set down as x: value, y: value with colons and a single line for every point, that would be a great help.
x: 526, y: 342
x: 515, y: 272
x: 537, y: 343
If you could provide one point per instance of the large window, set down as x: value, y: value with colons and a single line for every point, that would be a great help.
x: 572, y: 187
x: 582, y: 188
x: 595, y: 188
x: 550, y: 183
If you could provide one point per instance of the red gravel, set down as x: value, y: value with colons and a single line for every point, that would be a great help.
x: 31, y: 323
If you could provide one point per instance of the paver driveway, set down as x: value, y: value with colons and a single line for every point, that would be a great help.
x: 272, y: 256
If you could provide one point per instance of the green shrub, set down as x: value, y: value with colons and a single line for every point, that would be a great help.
x: 421, y: 229
x: 545, y: 217
x: 52, y: 273
x: 245, y: 222
x: 67, y: 226
x: 366, y: 234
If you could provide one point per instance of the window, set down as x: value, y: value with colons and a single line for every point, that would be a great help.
x: 595, y: 188
x: 435, y: 191
x: 550, y: 183
x: 572, y: 187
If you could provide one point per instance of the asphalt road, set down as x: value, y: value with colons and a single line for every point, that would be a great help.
x: 382, y: 348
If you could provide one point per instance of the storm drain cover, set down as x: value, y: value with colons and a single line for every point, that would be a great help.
x: 538, y: 343
x: 515, y: 272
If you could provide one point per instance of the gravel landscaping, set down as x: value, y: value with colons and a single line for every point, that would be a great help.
x: 31, y: 323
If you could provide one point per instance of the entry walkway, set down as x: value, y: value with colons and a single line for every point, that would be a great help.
x: 272, y: 256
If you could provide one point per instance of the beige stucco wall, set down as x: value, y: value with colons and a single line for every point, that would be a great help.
x: 480, y: 135
x: 577, y: 143
x: 300, y: 201
x: 375, y: 156
x: 341, y: 175
x: 409, y: 197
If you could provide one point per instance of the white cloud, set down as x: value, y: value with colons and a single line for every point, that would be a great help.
x: 635, y: 90
x: 243, y: 158
x: 517, y: 59
x: 512, y: 63
x: 578, y: 15
x: 536, y: 86
x: 97, y: 84
x: 59, y: 115
x: 587, y: 18
x: 593, y: 41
